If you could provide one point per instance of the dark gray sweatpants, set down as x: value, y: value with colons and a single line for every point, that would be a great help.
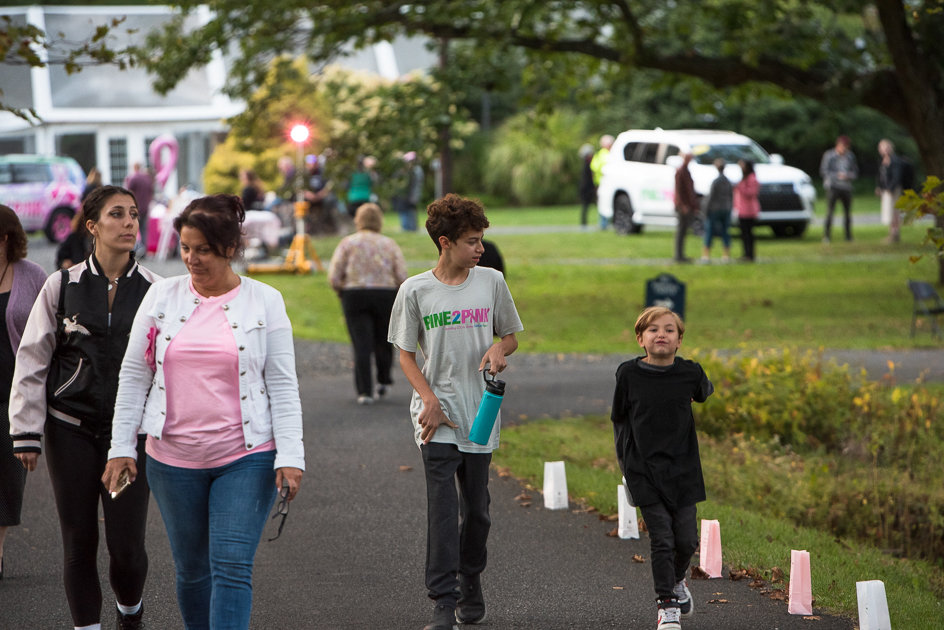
x: 454, y: 547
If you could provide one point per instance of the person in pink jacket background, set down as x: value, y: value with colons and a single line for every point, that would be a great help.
x: 747, y: 207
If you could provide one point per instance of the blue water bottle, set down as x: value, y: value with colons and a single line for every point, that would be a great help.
x: 488, y: 410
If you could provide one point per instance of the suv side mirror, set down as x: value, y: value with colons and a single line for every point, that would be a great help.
x: 675, y: 161
x: 776, y: 158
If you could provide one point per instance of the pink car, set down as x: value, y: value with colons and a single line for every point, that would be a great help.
x: 45, y: 192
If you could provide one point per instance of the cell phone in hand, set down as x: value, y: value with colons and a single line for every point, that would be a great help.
x: 124, y: 482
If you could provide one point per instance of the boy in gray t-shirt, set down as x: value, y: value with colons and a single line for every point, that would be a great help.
x: 453, y: 313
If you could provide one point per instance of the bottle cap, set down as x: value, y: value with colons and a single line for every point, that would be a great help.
x: 493, y: 386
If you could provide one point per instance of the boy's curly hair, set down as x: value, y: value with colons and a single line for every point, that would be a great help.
x: 655, y: 312
x: 452, y: 216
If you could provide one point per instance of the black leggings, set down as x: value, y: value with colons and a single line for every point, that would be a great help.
x: 367, y: 313
x: 76, y: 460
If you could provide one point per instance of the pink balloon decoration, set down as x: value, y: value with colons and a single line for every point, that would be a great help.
x: 156, y: 151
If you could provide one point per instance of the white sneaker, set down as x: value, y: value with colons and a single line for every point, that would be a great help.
x: 365, y: 400
x: 684, y: 597
x: 669, y: 619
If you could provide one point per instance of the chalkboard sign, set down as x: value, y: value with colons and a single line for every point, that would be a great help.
x: 668, y: 291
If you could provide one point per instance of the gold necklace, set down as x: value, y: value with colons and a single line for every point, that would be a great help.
x: 4, y: 274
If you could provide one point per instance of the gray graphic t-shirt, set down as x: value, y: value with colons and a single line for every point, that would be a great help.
x: 453, y: 327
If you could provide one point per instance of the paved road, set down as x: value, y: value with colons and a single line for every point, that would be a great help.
x: 352, y: 552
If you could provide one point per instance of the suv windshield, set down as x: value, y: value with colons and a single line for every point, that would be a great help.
x: 730, y: 153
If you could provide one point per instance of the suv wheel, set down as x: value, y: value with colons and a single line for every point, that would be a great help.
x: 59, y: 225
x: 623, y: 216
x: 789, y: 230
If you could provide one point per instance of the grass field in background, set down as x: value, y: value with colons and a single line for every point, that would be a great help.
x: 579, y: 291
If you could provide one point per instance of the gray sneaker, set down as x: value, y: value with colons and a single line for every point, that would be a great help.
x: 471, y: 606
x: 684, y: 597
x: 444, y: 618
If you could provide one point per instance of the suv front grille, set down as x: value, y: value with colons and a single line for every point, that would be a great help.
x: 779, y: 197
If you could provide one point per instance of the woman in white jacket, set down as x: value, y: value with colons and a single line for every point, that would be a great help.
x: 209, y: 375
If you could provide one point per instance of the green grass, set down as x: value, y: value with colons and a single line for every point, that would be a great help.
x: 915, y: 589
x: 580, y: 291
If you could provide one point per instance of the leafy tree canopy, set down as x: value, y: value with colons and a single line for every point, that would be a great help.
x: 887, y: 54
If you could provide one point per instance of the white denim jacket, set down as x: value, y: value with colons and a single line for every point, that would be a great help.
x: 268, y: 385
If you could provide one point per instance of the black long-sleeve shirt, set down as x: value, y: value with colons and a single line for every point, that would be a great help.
x: 654, y: 431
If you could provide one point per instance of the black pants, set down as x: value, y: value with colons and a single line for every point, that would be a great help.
x: 673, y: 536
x: 367, y: 313
x: 747, y: 236
x: 684, y: 223
x: 844, y: 197
x: 453, y: 548
x: 76, y: 460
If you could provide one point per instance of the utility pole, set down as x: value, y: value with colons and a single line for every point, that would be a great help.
x: 444, y: 124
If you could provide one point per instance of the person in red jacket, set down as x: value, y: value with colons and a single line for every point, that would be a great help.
x: 747, y: 206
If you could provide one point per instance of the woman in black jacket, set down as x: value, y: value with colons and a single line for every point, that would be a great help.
x: 64, y: 387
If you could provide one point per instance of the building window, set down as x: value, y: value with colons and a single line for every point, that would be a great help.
x: 147, y: 151
x: 80, y: 146
x: 118, y: 159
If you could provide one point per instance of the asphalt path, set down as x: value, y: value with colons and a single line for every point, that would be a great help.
x: 353, y: 549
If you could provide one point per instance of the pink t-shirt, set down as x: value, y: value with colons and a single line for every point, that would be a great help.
x: 201, y: 376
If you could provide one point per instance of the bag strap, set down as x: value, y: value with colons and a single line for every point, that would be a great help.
x: 61, y: 310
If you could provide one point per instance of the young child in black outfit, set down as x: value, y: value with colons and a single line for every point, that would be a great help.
x: 657, y: 449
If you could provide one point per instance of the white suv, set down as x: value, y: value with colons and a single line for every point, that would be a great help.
x: 638, y: 183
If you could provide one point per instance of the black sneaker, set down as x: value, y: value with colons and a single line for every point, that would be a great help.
x: 684, y: 597
x: 444, y: 618
x: 130, y: 622
x: 471, y: 606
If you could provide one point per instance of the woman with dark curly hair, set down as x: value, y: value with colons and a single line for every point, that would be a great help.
x: 209, y: 375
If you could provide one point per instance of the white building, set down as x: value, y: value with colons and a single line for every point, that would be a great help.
x: 106, y: 117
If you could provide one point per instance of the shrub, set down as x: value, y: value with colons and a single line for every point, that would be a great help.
x: 800, y: 438
x: 534, y: 161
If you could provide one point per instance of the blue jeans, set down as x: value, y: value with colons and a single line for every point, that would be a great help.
x: 214, y: 519
x: 718, y: 224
